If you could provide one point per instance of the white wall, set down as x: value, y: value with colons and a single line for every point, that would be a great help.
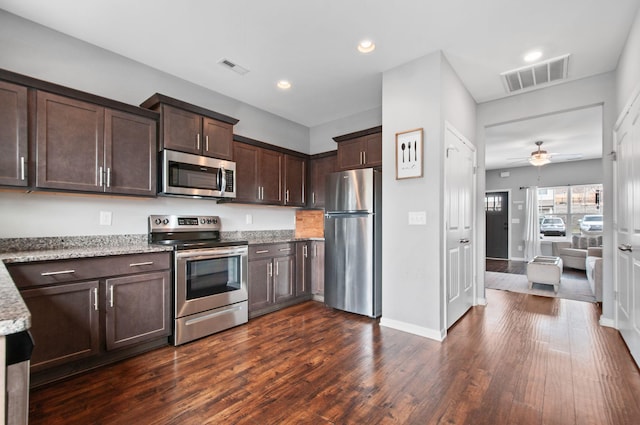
x: 569, y: 173
x: 321, y: 136
x: 592, y: 91
x: 413, y: 97
x: 34, y: 50
x: 628, y: 70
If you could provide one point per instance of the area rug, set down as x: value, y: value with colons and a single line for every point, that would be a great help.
x: 572, y: 287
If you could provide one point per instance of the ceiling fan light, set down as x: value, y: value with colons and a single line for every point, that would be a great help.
x: 539, y: 160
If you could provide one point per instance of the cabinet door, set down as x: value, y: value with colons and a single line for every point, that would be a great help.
x: 64, y: 324
x: 181, y: 130
x: 350, y: 154
x: 137, y: 308
x: 13, y: 135
x: 295, y: 170
x: 247, y: 183
x: 283, y: 278
x: 218, y: 139
x: 317, y: 267
x: 373, y: 150
x: 303, y: 268
x: 319, y: 169
x: 130, y: 154
x: 270, y: 169
x: 70, y: 144
x: 260, y: 284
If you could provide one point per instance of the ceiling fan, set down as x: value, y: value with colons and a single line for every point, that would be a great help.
x: 541, y: 157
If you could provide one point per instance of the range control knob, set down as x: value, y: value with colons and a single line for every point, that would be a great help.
x: 202, y: 221
x: 215, y: 221
x: 165, y: 221
x: 157, y: 221
x: 209, y: 221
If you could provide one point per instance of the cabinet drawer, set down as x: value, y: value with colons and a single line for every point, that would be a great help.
x: 270, y: 250
x: 54, y: 272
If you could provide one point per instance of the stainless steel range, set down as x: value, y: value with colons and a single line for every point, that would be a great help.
x: 209, y: 276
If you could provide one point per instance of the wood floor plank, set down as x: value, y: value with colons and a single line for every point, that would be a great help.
x: 520, y: 359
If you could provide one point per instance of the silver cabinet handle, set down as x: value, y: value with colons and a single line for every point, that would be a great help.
x: 315, y: 250
x: 262, y: 192
x: 277, y: 268
x: 270, y: 270
x: 361, y: 163
x: 198, y: 141
x: 262, y: 251
x: 206, y: 143
x: 313, y: 198
x: 625, y: 247
x: 108, y: 176
x: 95, y: 299
x: 146, y: 263
x: 22, y: 168
x: 56, y: 273
x: 111, y: 296
x: 286, y: 195
x: 100, y: 176
x: 364, y: 157
x: 284, y: 249
x: 304, y: 250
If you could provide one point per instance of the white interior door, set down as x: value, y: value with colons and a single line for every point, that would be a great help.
x: 459, y: 196
x: 627, y: 139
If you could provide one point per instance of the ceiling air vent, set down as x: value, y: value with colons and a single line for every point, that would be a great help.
x: 533, y: 76
x: 226, y: 63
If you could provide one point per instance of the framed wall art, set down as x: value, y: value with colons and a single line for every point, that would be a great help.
x: 409, y: 154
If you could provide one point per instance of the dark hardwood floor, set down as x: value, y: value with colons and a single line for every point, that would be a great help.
x: 506, y: 266
x: 519, y: 360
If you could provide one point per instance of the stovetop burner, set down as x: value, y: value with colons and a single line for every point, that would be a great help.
x: 187, y: 232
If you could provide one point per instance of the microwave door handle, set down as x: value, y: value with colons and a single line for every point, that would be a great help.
x: 222, y: 179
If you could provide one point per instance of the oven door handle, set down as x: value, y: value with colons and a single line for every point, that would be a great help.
x: 210, y: 253
x: 222, y: 180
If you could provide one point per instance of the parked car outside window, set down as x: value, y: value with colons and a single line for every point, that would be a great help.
x: 591, y: 224
x: 553, y: 226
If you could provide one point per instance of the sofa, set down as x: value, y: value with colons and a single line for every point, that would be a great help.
x: 593, y: 265
x: 574, y: 252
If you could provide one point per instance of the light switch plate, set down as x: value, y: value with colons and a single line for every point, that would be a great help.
x: 248, y: 219
x: 105, y: 218
x: 417, y: 218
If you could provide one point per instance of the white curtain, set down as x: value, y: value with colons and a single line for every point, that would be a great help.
x: 531, y: 225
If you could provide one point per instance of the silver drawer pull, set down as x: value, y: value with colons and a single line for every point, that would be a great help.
x: 56, y: 273
x: 262, y: 251
x: 146, y: 263
x: 285, y: 249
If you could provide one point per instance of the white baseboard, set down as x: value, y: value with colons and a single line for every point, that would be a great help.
x: 413, y: 329
x: 319, y: 298
x: 481, y: 301
x: 605, y: 321
x: 517, y: 258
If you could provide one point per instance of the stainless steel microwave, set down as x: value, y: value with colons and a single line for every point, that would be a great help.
x: 195, y: 175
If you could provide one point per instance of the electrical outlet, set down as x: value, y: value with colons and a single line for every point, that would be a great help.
x: 249, y: 219
x: 417, y: 218
x: 105, y: 218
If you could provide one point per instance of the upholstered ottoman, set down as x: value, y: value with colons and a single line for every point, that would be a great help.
x: 545, y: 269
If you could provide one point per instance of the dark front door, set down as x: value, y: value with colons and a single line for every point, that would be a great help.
x: 496, y: 206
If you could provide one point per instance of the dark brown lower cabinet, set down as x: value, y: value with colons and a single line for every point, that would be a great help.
x: 64, y: 323
x: 317, y: 267
x: 303, y: 268
x: 93, y: 311
x: 273, y: 278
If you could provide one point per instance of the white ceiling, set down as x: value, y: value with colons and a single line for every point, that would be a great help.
x: 563, y: 135
x: 313, y: 43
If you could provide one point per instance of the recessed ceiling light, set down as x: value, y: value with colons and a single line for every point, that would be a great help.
x: 533, y: 56
x: 284, y: 84
x: 366, y: 46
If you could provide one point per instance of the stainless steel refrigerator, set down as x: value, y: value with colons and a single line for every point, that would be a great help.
x: 353, y: 231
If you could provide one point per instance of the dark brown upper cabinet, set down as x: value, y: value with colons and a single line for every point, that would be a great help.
x: 362, y: 149
x: 259, y: 179
x: 87, y: 147
x: 319, y: 168
x: 192, y: 129
x: 295, y: 169
x: 13, y: 135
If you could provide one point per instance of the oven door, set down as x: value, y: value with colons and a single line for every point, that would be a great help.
x: 209, y: 278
